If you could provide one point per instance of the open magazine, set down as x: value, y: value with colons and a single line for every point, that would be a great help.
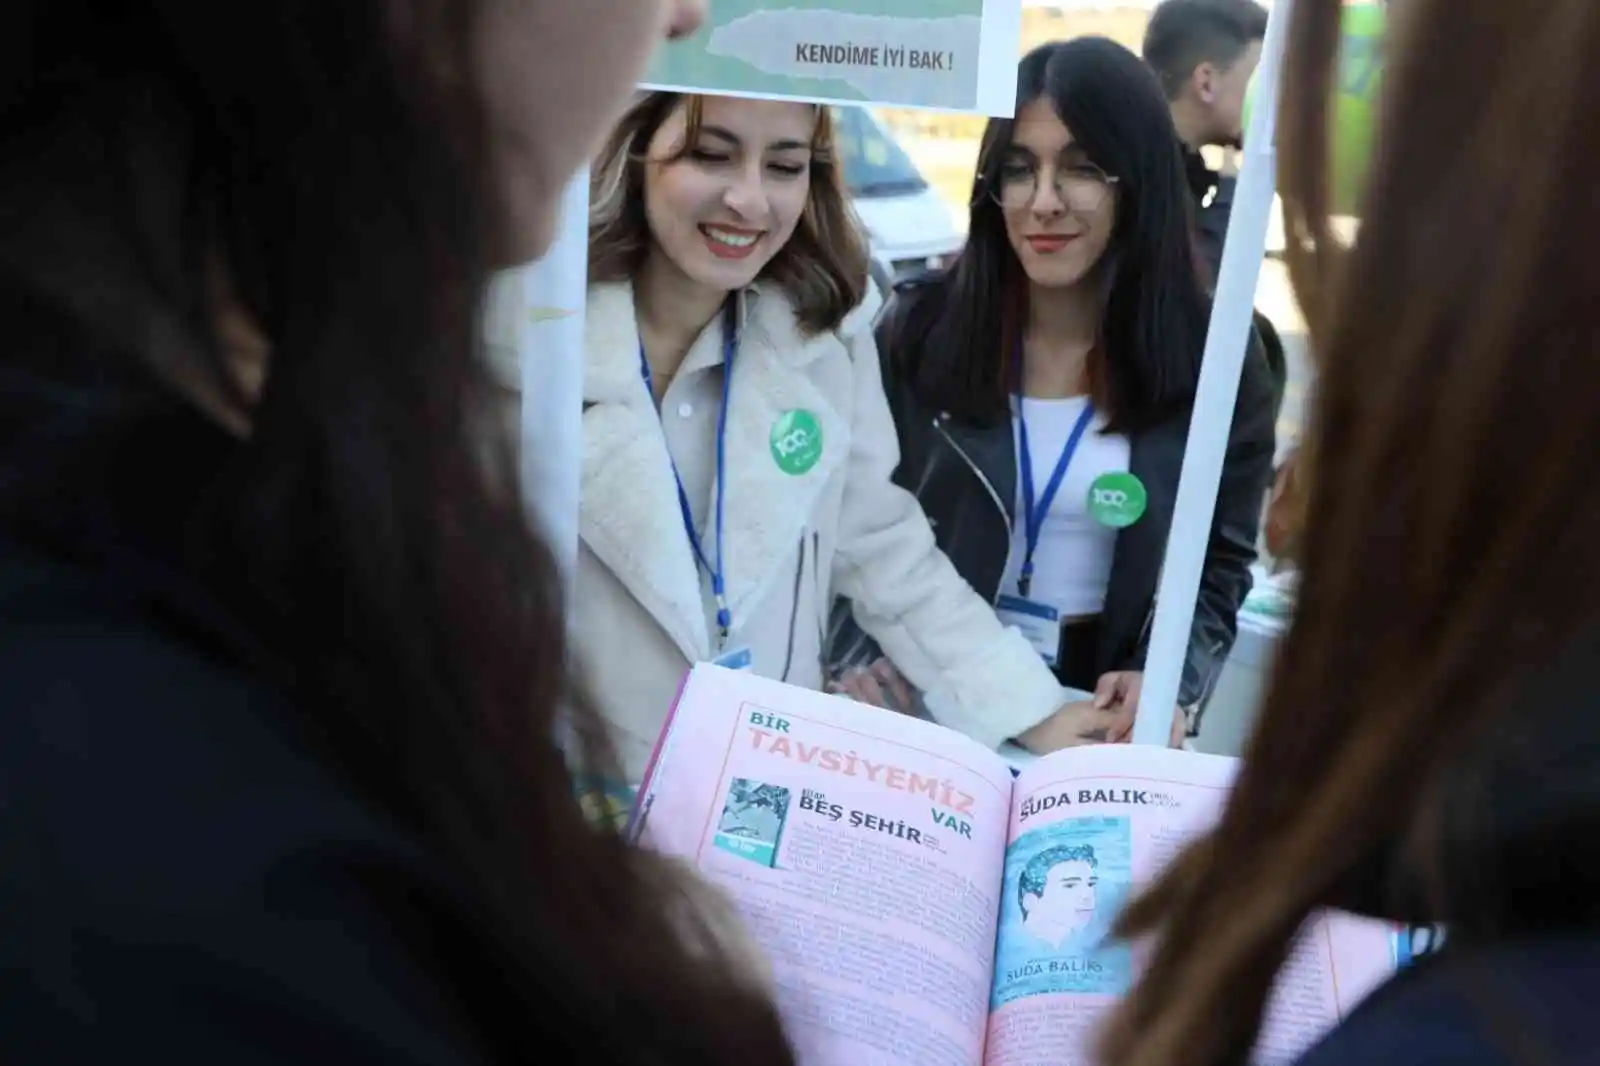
x: 925, y: 904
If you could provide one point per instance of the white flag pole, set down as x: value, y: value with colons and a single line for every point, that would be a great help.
x: 1215, y: 394
x: 534, y: 332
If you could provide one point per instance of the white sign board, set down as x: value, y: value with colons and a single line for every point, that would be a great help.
x: 947, y: 55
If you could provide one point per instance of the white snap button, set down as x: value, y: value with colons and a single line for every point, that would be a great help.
x: 685, y: 410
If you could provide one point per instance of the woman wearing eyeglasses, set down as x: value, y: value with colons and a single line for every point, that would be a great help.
x: 1042, y: 386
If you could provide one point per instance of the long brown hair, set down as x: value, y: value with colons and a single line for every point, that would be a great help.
x: 370, y: 532
x: 1449, y: 552
x: 823, y: 267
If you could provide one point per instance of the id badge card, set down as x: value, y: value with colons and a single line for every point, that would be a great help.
x: 1039, y: 622
x: 734, y: 659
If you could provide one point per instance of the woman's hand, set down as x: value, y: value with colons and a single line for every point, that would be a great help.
x: 1118, y: 691
x: 879, y: 684
x: 1072, y: 726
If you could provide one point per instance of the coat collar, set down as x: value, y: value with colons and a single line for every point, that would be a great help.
x: 630, y: 518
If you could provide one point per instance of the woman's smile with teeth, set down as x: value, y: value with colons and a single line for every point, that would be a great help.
x: 727, y: 243
x: 734, y: 238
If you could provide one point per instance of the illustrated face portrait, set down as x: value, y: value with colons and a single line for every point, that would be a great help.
x: 1067, y: 903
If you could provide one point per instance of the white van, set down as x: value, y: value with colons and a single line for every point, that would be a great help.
x: 910, y: 227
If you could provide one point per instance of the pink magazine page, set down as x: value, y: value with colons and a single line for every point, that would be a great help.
x: 1090, y: 826
x: 1336, y: 962
x: 862, y: 848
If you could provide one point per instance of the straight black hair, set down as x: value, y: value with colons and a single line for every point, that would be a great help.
x: 1153, y: 326
x: 326, y: 161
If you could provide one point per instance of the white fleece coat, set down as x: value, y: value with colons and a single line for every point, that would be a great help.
x: 791, y: 542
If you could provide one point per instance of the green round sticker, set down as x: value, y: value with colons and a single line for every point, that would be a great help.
x: 1117, y: 500
x: 796, y: 441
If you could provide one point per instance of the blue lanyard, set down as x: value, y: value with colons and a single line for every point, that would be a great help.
x: 1035, y: 510
x: 730, y: 349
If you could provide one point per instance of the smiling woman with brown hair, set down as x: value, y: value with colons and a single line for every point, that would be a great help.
x: 737, y: 443
x: 1429, y: 748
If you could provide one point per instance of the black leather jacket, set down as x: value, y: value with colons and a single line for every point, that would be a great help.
x: 1211, y: 220
x: 1210, y: 235
x: 966, y: 479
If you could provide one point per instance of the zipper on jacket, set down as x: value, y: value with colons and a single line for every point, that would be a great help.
x: 927, y: 476
x: 794, y: 608
x: 1005, y: 514
x: 823, y: 606
x: 1208, y: 685
x: 1149, y: 622
x: 1208, y: 682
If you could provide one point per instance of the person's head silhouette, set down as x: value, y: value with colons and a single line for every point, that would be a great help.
x: 1057, y: 892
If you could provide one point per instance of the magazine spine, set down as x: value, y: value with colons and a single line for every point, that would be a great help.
x: 641, y: 800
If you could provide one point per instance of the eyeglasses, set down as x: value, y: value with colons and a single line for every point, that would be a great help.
x: 1081, y: 187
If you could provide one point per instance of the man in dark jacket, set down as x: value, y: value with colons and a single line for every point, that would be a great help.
x: 1205, y: 52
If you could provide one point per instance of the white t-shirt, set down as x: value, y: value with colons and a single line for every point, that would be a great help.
x: 1072, y: 563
